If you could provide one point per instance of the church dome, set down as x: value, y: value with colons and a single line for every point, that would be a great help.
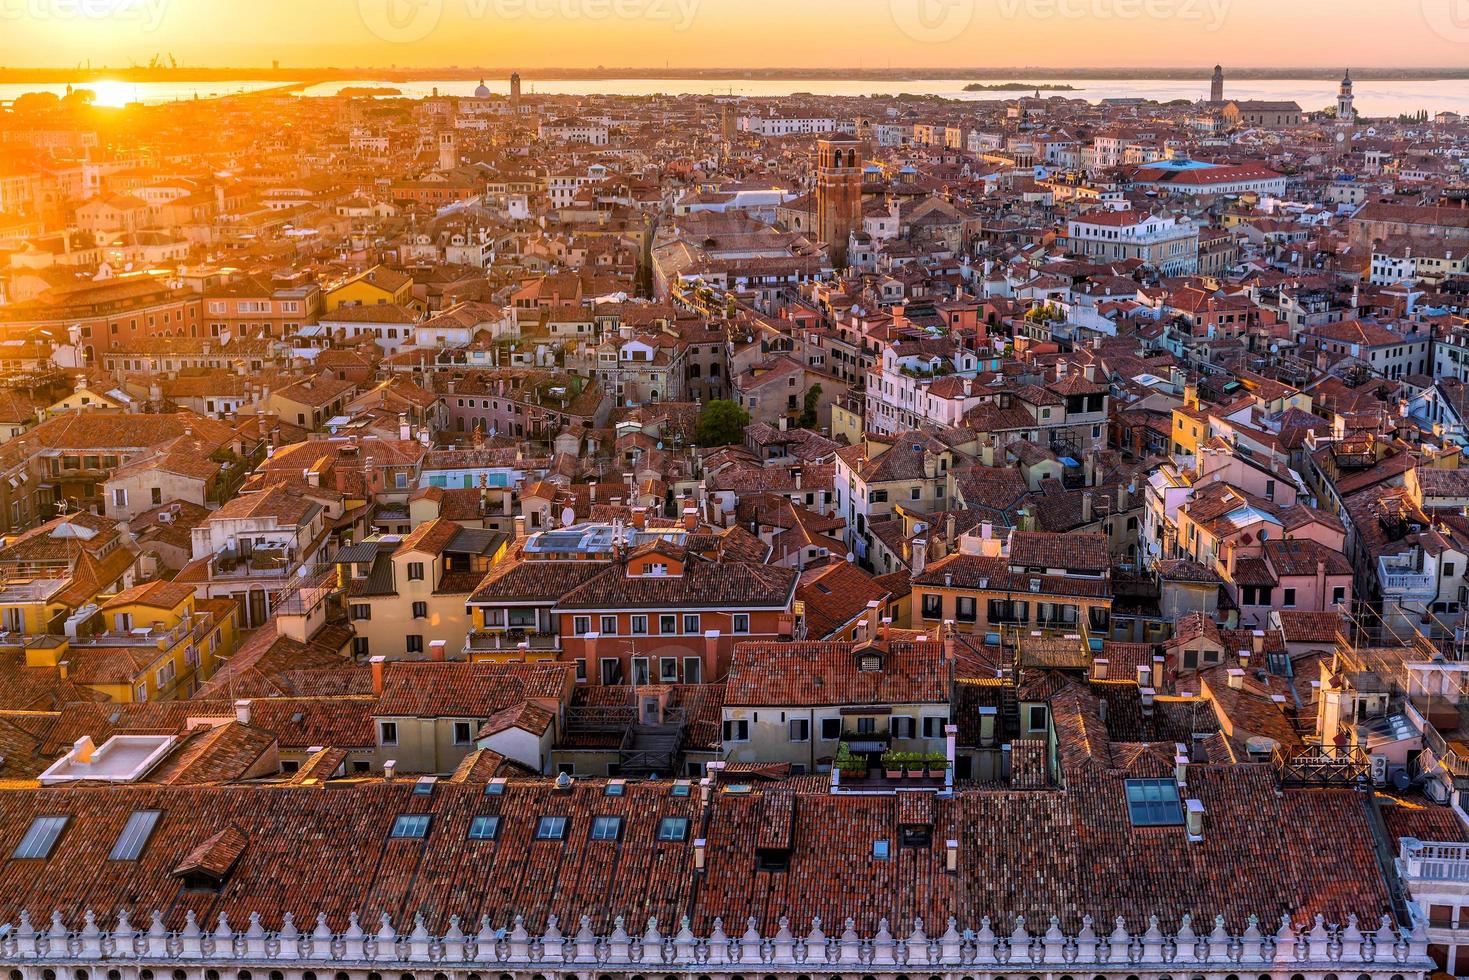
x: 483, y: 91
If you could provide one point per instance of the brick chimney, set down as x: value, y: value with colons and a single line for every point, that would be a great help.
x: 377, y: 674
x: 436, y: 650
x: 690, y: 518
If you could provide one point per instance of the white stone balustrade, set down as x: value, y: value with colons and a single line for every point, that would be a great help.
x: 1386, y: 953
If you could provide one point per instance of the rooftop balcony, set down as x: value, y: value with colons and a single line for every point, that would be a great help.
x: 1432, y: 860
x: 1400, y: 580
x: 487, y: 641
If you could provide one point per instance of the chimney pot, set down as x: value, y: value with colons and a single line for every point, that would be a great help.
x: 82, y: 750
x: 242, y: 711
x: 951, y: 859
x: 1236, y: 678
x: 377, y: 674
x: 389, y: 768
x: 1099, y: 668
x: 436, y: 650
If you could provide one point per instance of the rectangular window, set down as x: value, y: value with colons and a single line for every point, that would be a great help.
x: 1338, y: 595
x: 668, y: 625
x: 736, y: 731
x: 1153, y: 803
x: 799, y: 730
x: 40, y: 838
x: 415, y: 642
x: 420, y: 610
x: 387, y: 732
x: 462, y: 733
x: 691, y: 624
x: 1289, y: 598
x: 933, y: 727
x: 413, y: 826
x: 933, y: 605
x: 640, y: 671
x: 609, y: 625
x: 673, y: 829
x: 606, y: 828
x: 831, y: 729
x: 134, y: 836
x: 361, y: 611
x: 415, y: 571
x: 693, y: 670
x: 668, y: 670
x: 901, y: 726
x: 120, y: 497
x: 881, y: 848
x: 1036, y: 718
x: 581, y: 625
x: 640, y: 625
x: 741, y: 622
x: 551, y: 828
x: 966, y: 609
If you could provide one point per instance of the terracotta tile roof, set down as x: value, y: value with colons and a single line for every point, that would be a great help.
x: 703, y: 584
x: 828, y: 673
x: 469, y: 690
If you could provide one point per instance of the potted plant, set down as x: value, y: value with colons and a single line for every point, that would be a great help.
x: 848, y: 763
x: 937, y: 763
x: 892, y: 764
x: 913, y: 764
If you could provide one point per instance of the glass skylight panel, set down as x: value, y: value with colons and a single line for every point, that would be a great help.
x: 1153, y: 803
x: 411, y: 825
x: 484, y: 828
x: 40, y: 838
x: 134, y: 836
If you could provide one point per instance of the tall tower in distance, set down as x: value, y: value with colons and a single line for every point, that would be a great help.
x: 727, y: 122
x: 839, y: 162
x: 1216, y: 86
x: 515, y: 93
x: 448, y: 150
x: 1345, y: 110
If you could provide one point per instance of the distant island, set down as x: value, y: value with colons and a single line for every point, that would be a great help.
x: 1017, y: 87
x: 368, y: 91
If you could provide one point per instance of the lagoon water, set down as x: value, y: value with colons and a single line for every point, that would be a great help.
x: 1374, y: 98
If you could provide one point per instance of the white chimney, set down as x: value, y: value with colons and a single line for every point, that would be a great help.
x: 951, y: 859
x: 1099, y: 668
x: 82, y: 751
x: 1194, y: 818
x: 1236, y: 679
x: 389, y: 768
x: 242, y: 711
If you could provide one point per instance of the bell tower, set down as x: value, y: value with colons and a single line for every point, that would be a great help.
x: 1216, y: 85
x: 838, y: 193
x: 1345, y: 109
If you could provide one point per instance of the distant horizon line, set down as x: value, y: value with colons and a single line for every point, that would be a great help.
x: 1017, y: 72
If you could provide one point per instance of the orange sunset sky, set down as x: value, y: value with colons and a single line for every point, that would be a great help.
x: 737, y: 33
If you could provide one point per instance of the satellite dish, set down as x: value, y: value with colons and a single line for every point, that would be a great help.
x: 1401, y: 780
x: 568, y: 517
x: 851, y: 558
